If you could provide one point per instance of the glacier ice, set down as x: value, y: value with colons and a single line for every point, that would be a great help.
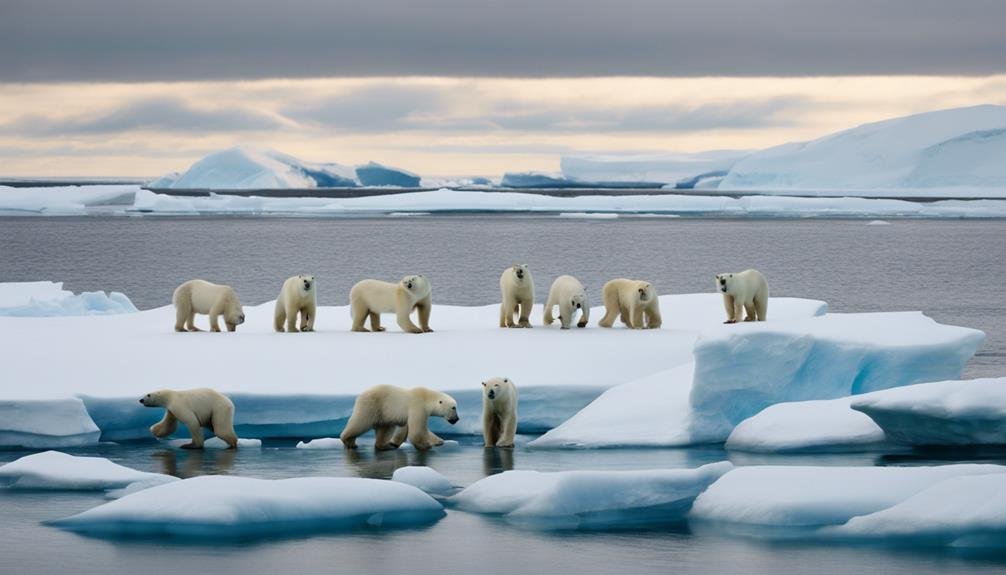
x: 54, y: 470
x: 589, y: 499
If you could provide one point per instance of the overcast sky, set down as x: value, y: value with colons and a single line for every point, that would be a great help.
x: 137, y: 87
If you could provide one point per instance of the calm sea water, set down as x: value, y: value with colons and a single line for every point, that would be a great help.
x: 952, y: 270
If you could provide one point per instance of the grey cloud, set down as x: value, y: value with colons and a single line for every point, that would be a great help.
x: 141, y: 40
x: 376, y: 108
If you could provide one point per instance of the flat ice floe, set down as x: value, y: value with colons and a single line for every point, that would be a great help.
x: 215, y: 506
x: 63, y: 200
x: 966, y: 412
x: 36, y: 299
x: 54, y: 470
x: 590, y: 499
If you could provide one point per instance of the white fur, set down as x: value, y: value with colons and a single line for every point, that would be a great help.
x: 196, y: 409
x: 635, y: 301
x: 568, y: 293
x: 746, y: 291
x: 396, y: 413
x: 499, y: 412
x: 200, y: 296
x: 298, y: 296
x: 371, y: 298
x: 517, y: 290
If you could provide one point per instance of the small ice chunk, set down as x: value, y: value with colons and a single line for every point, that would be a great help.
x: 424, y: 478
x: 321, y: 443
x: 820, y: 425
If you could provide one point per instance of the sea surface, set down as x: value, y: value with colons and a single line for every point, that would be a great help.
x: 954, y: 271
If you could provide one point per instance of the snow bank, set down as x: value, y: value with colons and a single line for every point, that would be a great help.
x: 681, y: 168
x: 58, y: 471
x: 35, y: 299
x: 452, y: 201
x: 63, y: 200
x: 796, y: 501
x: 424, y: 478
x: 807, y: 426
x: 969, y: 412
x: 967, y: 511
x: 253, y: 168
x: 590, y: 499
x: 225, y: 506
x: 46, y: 423
x: 741, y: 369
x: 374, y: 174
x: 956, y: 152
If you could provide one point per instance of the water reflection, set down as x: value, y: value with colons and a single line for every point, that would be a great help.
x: 195, y: 462
x: 496, y: 460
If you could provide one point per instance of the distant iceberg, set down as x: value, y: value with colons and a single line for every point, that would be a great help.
x: 244, y: 167
x: 374, y: 174
x: 547, y: 181
x: 682, y: 171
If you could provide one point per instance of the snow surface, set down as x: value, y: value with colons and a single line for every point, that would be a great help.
x: 796, y: 501
x: 956, y: 152
x: 63, y: 200
x: 34, y: 299
x: 46, y: 423
x: 590, y: 499
x: 54, y: 470
x: 664, y: 168
x: 808, y: 426
x: 967, y: 412
x: 253, y: 168
x: 424, y: 478
x: 225, y: 506
x: 741, y: 369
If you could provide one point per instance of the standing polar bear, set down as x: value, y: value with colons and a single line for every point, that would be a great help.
x: 298, y: 296
x: 196, y: 409
x: 746, y: 291
x: 499, y: 412
x: 200, y: 296
x: 568, y: 293
x: 634, y: 300
x: 396, y: 413
x: 517, y: 289
x: 371, y: 298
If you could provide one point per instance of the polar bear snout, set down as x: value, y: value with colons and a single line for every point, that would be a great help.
x: 453, y: 418
x: 490, y: 395
x: 241, y: 319
x: 307, y: 285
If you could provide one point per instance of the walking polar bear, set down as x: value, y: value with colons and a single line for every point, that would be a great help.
x: 196, y: 409
x: 517, y: 289
x: 635, y: 300
x: 746, y: 291
x: 299, y: 295
x: 371, y: 298
x: 396, y: 413
x: 499, y: 412
x: 200, y: 296
x: 568, y: 293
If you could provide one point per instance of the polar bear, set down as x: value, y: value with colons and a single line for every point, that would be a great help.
x: 299, y: 295
x: 517, y: 288
x: 396, y: 413
x: 634, y: 300
x: 371, y: 298
x: 568, y: 293
x: 200, y: 296
x: 744, y: 291
x: 499, y: 412
x: 196, y: 409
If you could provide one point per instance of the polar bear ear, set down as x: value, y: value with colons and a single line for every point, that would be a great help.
x: 483, y: 384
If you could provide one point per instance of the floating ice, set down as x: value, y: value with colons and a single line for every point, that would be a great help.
x: 810, y: 426
x: 38, y: 299
x: 253, y: 168
x: 968, y: 412
x: 374, y: 174
x: 215, y: 506
x: 321, y: 443
x: 217, y: 443
x: 59, y: 471
x: 46, y: 424
x: 424, y: 478
x: 681, y: 170
x: 63, y: 200
x: 590, y: 499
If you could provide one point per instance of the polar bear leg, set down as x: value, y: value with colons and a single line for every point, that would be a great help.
x: 181, y: 316
x: 611, y: 311
x: 547, y: 318
x: 191, y: 321
x: 357, y: 425
x: 191, y: 423
x: 433, y: 438
x: 279, y: 316
x: 215, y: 313
x: 738, y: 311
x: 489, y: 430
x: 728, y: 304
x: 307, y: 317
x: 565, y: 314
x: 222, y: 423
x: 382, y: 435
x: 423, y: 310
x: 291, y: 318
x: 584, y: 316
x: 402, y: 310
x: 653, y: 319
x: 166, y: 426
x: 358, y: 311
x: 375, y: 322
x: 400, y: 435
x: 761, y: 306
x: 509, y: 429
x: 750, y: 314
x: 418, y: 432
x: 525, y: 313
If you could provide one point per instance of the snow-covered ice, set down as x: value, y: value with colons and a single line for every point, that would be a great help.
x: 590, y: 499
x: 63, y: 200
x: 674, y: 168
x: 46, y: 423
x: 33, y: 299
x: 253, y: 168
x: 215, y: 506
x: 809, y: 426
x: 964, y: 412
x: 55, y: 470
x: 424, y: 478
x: 796, y: 501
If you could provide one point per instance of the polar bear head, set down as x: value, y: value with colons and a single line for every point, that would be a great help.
x: 158, y: 398
x: 497, y: 388
x: 418, y: 286
x: 646, y: 292
x: 578, y: 301
x: 444, y: 406
x: 521, y: 271
x: 724, y: 282
x: 306, y: 282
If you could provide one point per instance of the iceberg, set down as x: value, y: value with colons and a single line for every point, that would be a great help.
x: 827, y: 425
x: 46, y: 424
x: 679, y: 170
x: 225, y: 506
x: 424, y: 478
x: 590, y: 499
x: 53, y: 470
x: 963, y: 412
x: 40, y: 299
x: 798, y: 501
x: 956, y: 152
x: 374, y: 174
x: 242, y: 168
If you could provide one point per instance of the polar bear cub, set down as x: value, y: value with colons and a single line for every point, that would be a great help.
x: 499, y: 412
x: 746, y: 291
x: 396, y: 413
x: 568, y: 293
x: 299, y: 295
x: 196, y: 409
x: 635, y: 300
x: 371, y: 298
x: 200, y: 296
x: 517, y: 289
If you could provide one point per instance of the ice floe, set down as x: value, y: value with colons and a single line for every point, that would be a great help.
x: 35, y: 299
x: 424, y: 478
x: 54, y: 470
